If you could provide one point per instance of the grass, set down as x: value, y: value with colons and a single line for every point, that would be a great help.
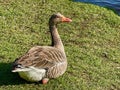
x: 92, y: 43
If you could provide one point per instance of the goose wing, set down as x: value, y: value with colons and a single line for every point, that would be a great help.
x: 40, y: 57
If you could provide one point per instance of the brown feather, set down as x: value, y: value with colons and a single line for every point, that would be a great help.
x: 42, y: 57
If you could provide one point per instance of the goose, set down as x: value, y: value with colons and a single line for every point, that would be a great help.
x: 42, y: 63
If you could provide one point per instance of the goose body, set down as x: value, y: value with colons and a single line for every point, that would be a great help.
x: 44, y: 62
x: 41, y: 62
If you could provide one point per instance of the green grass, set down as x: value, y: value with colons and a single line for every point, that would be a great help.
x: 92, y: 43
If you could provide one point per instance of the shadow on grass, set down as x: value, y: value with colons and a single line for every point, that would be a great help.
x: 7, y: 77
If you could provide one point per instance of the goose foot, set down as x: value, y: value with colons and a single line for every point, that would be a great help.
x: 45, y: 80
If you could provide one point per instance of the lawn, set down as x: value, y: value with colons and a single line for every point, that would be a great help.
x: 91, y: 41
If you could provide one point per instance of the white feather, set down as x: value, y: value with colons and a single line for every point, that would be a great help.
x: 31, y: 74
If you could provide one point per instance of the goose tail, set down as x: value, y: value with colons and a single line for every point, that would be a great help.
x: 20, y: 68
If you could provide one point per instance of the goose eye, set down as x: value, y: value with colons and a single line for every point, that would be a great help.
x: 57, y: 19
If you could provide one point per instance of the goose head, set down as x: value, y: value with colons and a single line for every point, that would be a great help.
x: 58, y: 18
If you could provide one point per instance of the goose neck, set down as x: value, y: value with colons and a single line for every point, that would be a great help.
x: 56, y: 40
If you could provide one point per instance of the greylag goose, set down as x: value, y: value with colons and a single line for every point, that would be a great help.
x: 41, y: 63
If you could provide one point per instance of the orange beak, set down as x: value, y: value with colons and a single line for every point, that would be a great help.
x: 64, y: 19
